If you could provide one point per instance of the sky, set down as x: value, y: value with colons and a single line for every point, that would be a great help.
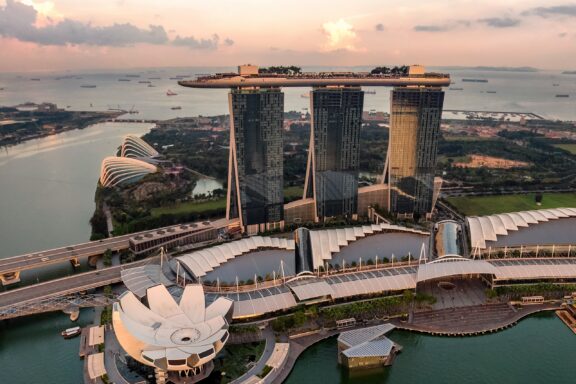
x: 60, y: 35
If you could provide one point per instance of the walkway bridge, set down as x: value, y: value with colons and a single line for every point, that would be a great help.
x: 51, y: 304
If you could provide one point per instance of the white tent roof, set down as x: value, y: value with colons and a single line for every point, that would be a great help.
x: 328, y: 241
x: 488, y: 228
x: 452, y: 266
x: 199, y: 263
x: 95, y: 365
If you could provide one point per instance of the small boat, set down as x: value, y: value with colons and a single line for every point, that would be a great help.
x: 34, y: 79
x: 87, y: 86
x: 143, y: 82
x: 170, y: 93
x: 132, y: 76
x: 151, y: 85
x: 490, y: 91
x: 456, y: 89
x: 562, y: 95
x: 154, y: 78
x: 555, y: 85
x: 124, y: 80
x: 176, y: 108
x: 71, y: 332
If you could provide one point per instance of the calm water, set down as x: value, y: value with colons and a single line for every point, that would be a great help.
x: 515, y: 91
x: 540, y: 349
x: 46, y: 200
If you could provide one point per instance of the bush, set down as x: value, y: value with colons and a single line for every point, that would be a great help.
x: 265, y: 371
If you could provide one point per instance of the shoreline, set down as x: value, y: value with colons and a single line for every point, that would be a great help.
x: 299, y: 345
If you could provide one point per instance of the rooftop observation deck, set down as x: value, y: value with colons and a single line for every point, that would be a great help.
x: 314, y: 79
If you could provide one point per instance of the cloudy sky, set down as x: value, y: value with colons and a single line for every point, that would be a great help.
x: 56, y: 35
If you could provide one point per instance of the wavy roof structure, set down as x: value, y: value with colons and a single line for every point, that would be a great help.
x: 123, y: 170
x: 169, y: 335
x: 134, y: 147
x: 488, y: 228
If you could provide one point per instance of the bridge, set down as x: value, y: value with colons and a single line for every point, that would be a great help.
x: 11, y: 267
x: 62, y: 293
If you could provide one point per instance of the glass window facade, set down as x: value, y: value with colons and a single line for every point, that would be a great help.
x: 334, y: 150
x: 414, y: 132
x: 256, y: 163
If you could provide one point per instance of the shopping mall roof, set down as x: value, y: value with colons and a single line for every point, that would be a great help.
x: 328, y: 241
x: 453, y: 266
x: 199, y: 263
x: 528, y: 269
x: 485, y: 229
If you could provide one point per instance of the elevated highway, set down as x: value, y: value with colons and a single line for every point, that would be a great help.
x: 54, y: 294
x: 11, y: 267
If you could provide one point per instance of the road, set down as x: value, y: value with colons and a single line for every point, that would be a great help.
x: 61, y: 287
x: 59, y: 255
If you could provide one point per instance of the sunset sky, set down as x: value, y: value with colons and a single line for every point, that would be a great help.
x: 72, y: 34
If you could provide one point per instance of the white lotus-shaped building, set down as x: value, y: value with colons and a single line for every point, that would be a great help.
x: 168, y: 335
x: 123, y: 170
x: 135, y: 147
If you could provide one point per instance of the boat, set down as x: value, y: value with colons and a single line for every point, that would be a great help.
x: 490, y: 91
x: 176, y: 108
x: 151, y: 85
x: 155, y: 78
x: 562, y: 95
x: 475, y: 80
x: 170, y: 93
x: 456, y: 89
x: 87, y: 86
x: 34, y: 79
x: 143, y: 82
x: 71, y: 332
x: 555, y: 85
x: 124, y: 80
x: 132, y: 76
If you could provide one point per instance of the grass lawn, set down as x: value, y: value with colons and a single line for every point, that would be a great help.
x: 468, y: 138
x: 199, y: 207
x: 487, y: 205
x: 189, y: 206
x: 292, y: 193
x: 567, y: 147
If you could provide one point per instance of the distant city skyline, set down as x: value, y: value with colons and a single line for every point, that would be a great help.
x: 63, y: 35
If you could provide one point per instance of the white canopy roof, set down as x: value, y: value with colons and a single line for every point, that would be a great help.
x: 95, y: 364
x: 488, y: 228
x: 452, y: 266
x: 545, y: 268
x: 328, y: 241
x: 199, y: 263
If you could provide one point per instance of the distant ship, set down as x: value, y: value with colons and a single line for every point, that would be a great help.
x: 370, y: 92
x: 87, y: 86
x: 475, y: 80
x: 490, y: 91
x: 456, y: 89
x: 555, y: 85
x: 132, y: 76
x: 176, y: 108
x: 155, y: 78
x: 170, y: 93
x: 563, y: 95
x: 34, y: 79
x: 174, y: 78
x: 143, y: 82
x: 124, y: 80
x: 151, y: 85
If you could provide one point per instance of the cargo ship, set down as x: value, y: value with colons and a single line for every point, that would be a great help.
x: 475, y: 80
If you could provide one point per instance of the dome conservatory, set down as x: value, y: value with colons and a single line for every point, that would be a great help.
x: 134, y: 147
x: 179, y: 336
x: 123, y: 170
